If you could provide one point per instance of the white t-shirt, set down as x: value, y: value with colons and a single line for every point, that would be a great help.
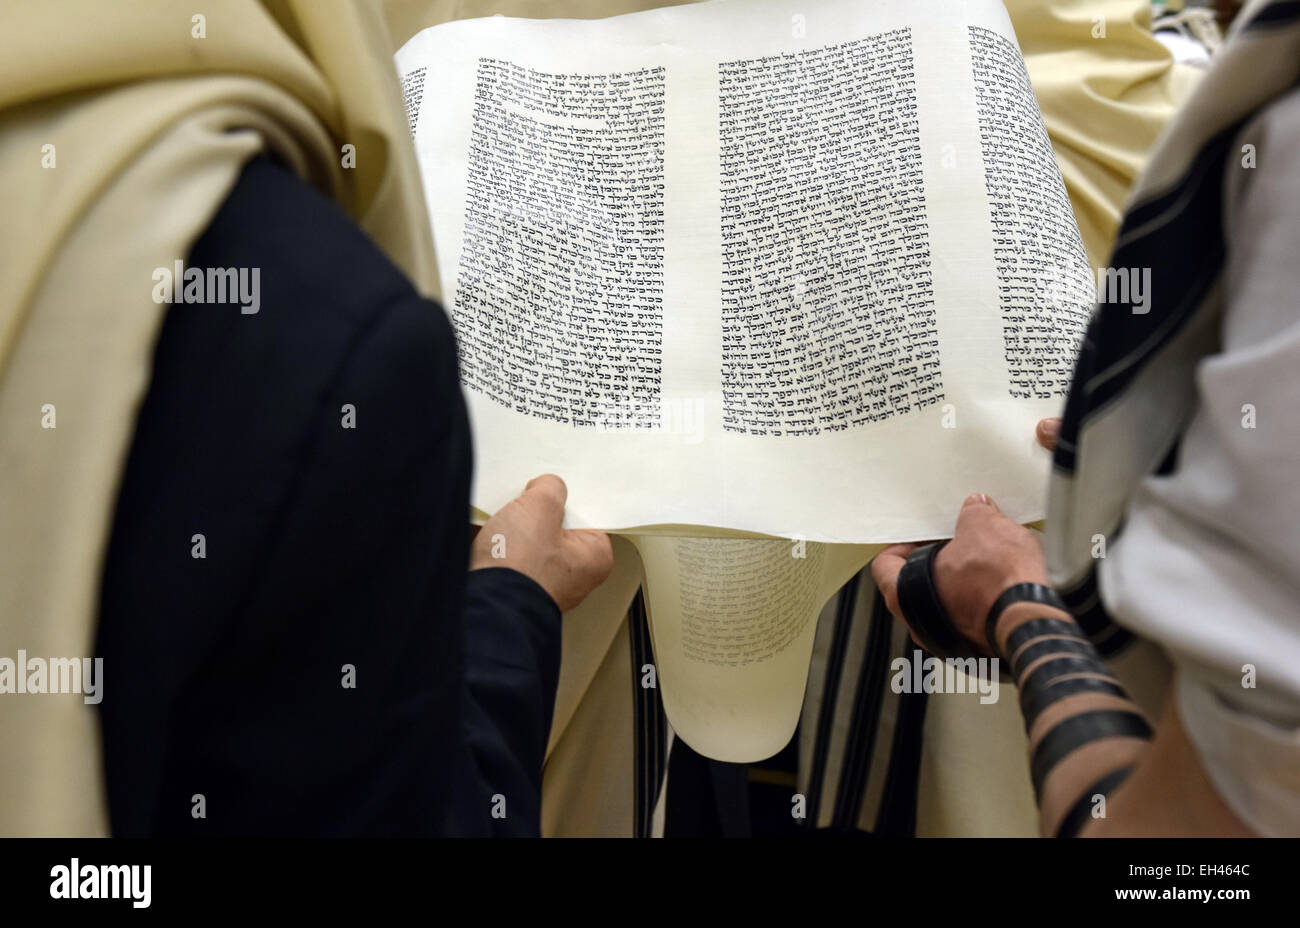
x: 1208, y: 564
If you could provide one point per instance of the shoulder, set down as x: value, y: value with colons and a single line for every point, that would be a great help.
x: 327, y: 298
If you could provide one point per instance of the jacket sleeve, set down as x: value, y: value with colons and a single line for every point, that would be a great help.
x: 512, y: 669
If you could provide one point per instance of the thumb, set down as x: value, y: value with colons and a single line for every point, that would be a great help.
x: 884, y: 570
x: 546, y: 496
x: 977, y: 508
x: 592, y: 549
x: 1047, y: 432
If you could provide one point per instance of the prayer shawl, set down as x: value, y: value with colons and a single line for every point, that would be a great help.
x: 123, y: 126
x: 1134, y: 388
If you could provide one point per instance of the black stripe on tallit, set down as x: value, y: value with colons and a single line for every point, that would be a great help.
x: 896, y: 817
x: 650, y: 759
x: 867, y: 702
x: 830, y: 689
x: 1185, y: 256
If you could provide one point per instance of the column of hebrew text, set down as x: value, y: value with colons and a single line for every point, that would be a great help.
x: 828, y: 315
x: 559, y: 299
x: 1043, y: 276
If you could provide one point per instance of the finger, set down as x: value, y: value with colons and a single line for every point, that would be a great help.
x: 884, y: 570
x: 1047, y: 432
x: 549, y: 492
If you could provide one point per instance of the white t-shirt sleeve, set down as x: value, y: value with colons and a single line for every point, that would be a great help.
x: 1208, y: 563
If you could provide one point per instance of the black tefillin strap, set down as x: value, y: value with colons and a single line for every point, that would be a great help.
x: 1052, y: 659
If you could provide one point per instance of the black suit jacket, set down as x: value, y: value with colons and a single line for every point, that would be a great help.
x: 327, y: 666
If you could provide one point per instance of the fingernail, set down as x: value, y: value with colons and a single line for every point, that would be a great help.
x: 978, y: 498
x: 1050, y: 428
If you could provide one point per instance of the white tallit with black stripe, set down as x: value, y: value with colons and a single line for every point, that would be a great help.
x: 1134, y: 390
